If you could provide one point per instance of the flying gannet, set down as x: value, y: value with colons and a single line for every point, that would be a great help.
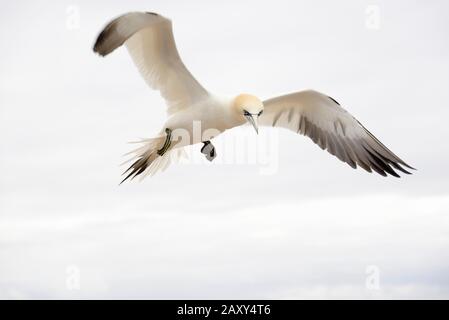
x: 150, y: 42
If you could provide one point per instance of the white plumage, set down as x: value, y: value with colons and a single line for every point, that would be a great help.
x: 150, y: 42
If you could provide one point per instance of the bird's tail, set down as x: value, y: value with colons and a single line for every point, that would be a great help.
x: 147, y: 161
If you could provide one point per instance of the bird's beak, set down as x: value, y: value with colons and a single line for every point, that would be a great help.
x: 253, y: 120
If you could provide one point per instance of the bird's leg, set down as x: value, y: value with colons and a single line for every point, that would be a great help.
x: 167, y: 142
x: 209, y: 150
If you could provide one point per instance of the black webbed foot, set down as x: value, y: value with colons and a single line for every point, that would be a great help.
x: 209, y: 150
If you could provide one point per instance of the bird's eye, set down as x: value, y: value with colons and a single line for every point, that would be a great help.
x: 260, y: 113
x: 246, y: 113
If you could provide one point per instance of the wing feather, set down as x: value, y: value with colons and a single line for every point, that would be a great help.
x: 332, y: 128
x: 150, y: 42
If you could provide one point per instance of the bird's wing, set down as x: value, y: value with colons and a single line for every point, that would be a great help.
x: 323, y: 120
x: 150, y: 42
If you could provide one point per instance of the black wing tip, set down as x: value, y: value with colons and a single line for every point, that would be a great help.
x: 395, y: 175
x: 97, y: 51
x: 410, y: 167
x: 390, y: 173
x: 99, y: 46
x: 397, y: 166
x: 385, y: 163
x: 106, y: 41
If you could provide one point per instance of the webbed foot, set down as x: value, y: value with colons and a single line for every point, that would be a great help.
x: 209, y: 150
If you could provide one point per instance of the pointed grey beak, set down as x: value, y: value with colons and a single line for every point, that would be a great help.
x: 253, y: 120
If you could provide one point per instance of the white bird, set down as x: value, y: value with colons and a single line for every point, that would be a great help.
x: 150, y: 42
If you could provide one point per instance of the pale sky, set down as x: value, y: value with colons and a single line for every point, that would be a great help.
x: 311, y: 228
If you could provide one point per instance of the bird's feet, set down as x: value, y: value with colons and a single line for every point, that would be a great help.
x: 209, y: 150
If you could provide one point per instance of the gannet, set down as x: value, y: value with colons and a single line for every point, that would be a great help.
x: 150, y: 42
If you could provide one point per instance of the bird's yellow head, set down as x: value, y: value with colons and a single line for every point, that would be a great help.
x: 249, y: 107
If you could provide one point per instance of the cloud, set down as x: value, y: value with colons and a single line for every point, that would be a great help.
x: 317, y: 248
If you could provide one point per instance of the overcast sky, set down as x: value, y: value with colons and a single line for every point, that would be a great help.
x: 293, y: 223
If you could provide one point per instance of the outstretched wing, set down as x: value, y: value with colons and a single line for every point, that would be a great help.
x: 150, y: 42
x: 323, y: 120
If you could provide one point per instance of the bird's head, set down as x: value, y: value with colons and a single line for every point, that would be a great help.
x: 249, y: 107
